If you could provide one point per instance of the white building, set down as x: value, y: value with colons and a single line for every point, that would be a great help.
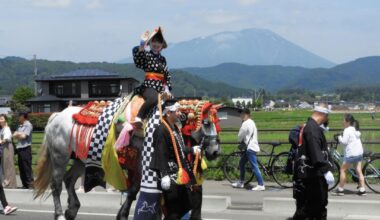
x: 242, y: 100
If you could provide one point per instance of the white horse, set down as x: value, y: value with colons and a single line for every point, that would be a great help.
x: 56, y: 153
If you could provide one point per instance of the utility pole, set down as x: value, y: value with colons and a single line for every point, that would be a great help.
x: 35, y: 74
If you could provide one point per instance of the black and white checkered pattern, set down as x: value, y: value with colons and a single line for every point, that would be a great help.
x: 149, y: 177
x: 100, y: 133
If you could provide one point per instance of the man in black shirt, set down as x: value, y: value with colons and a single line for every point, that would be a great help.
x: 312, y: 169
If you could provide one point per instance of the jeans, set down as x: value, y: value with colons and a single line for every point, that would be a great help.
x: 251, y: 157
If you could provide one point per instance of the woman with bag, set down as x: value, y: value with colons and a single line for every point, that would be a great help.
x: 7, y: 158
x: 248, y: 139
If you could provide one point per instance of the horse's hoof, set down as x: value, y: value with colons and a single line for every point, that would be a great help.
x: 69, y: 216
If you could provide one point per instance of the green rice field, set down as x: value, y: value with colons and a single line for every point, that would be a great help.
x: 272, y: 120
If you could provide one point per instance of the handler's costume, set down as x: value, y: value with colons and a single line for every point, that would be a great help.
x: 157, y: 76
x: 167, y: 162
x: 310, y: 187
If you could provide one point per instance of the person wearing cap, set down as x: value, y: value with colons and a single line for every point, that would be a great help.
x: 24, y: 149
x: 248, y: 135
x: 312, y: 169
x: 170, y: 162
x: 157, y: 77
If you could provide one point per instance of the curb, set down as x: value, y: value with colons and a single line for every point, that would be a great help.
x: 335, y: 207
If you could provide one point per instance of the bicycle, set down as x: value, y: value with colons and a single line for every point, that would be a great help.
x: 275, y: 167
x: 371, y: 167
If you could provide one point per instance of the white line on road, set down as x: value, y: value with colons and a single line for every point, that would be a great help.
x: 94, y: 214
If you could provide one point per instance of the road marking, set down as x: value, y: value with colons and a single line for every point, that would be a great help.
x: 79, y: 213
x: 95, y: 214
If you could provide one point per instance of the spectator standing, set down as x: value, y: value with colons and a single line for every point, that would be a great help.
x: 312, y: 169
x: 353, y: 153
x: 24, y: 150
x: 7, y: 158
x: 248, y: 135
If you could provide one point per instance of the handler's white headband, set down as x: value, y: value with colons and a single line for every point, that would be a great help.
x: 171, y: 108
x: 322, y: 110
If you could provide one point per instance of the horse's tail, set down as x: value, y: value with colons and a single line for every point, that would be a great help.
x: 44, y: 171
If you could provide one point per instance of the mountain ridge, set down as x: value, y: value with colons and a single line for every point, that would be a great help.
x: 248, y: 46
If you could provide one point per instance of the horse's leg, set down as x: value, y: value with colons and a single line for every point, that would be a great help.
x: 56, y: 188
x: 134, y: 173
x: 196, y: 212
x: 71, y: 177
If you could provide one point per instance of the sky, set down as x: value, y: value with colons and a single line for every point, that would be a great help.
x: 106, y: 30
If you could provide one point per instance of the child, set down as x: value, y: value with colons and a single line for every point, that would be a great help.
x: 353, y: 153
x: 157, y: 76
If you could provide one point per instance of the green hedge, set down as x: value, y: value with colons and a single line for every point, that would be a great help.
x: 38, y: 120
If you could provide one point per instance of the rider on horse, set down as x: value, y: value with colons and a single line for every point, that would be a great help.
x: 157, y: 76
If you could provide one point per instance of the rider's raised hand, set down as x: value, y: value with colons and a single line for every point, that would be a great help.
x: 144, y: 39
x: 165, y: 183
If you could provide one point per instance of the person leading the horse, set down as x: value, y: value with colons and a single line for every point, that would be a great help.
x: 157, y: 76
x: 169, y: 161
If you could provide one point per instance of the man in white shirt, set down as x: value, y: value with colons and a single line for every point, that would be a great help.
x: 248, y: 135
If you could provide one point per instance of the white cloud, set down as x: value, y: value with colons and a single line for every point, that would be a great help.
x: 52, y: 3
x: 220, y: 17
x: 94, y: 4
x: 248, y: 2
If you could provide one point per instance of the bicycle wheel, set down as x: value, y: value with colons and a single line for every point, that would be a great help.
x: 336, y: 173
x: 231, y: 168
x: 278, y: 167
x: 371, y: 172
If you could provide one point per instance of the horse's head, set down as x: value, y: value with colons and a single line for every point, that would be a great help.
x: 203, y: 126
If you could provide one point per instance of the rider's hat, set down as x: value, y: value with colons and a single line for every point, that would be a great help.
x: 157, y: 34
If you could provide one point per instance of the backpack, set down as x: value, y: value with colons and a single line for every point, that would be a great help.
x: 295, y: 140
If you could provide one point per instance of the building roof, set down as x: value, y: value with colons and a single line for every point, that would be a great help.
x: 5, y: 110
x: 83, y: 74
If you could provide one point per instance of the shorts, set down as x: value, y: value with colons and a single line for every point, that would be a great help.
x: 353, y: 159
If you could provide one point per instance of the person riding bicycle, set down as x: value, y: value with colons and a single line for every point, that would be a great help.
x: 157, y: 77
x: 353, y: 153
x: 248, y: 136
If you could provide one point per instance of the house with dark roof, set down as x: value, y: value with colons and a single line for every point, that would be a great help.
x: 78, y: 87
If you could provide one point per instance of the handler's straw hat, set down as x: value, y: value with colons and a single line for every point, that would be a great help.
x: 322, y: 109
x: 158, y: 33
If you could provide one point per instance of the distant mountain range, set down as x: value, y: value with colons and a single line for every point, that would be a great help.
x: 224, y: 80
x: 363, y: 71
x: 16, y: 72
x: 249, y: 46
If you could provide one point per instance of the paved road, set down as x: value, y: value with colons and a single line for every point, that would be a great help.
x: 245, y: 204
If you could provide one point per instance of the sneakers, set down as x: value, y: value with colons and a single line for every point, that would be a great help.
x: 258, y: 188
x: 238, y: 185
x: 362, y: 191
x: 339, y: 191
x: 9, y: 209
